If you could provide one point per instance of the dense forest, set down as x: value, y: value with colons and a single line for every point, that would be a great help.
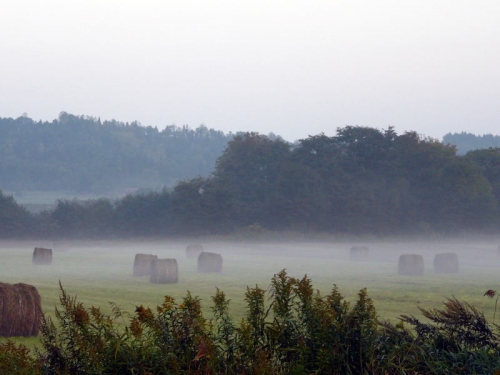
x: 83, y: 154
x: 362, y: 180
x: 467, y: 141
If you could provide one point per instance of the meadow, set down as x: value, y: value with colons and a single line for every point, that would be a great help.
x: 100, y: 272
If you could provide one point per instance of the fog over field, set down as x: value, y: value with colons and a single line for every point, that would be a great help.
x: 99, y: 272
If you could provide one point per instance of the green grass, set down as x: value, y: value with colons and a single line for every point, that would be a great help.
x: 101, y: 272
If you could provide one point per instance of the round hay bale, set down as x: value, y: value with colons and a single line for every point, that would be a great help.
x: 164, y: 271
x: 411, y: 265
x: 42, y: 255
x: 446, y: 263
x: 209, y: 262
x: 359, y: 253
x: 20, y: 310
x: 142, y: 264
x: 193, y: 251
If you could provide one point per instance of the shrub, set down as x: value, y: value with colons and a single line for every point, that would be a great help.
x: 299, y: 332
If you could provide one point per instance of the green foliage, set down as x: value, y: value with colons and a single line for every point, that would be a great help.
x: 466, y: 142
x: 300, y: 332
x: 457, y: 341
x: 487, y: 162
x: 142, y: 215
x: 83, y: 154
x: 361, y: 181
x: 15, y: 221
x: 17, y: 359
x: 247, y: 169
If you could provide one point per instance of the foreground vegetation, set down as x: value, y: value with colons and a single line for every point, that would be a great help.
x: 301, y: 332
x: 100, y: 272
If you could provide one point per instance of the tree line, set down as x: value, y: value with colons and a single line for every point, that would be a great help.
x: 466, y: 142
x: 360, y: 181
x: 83, y: 154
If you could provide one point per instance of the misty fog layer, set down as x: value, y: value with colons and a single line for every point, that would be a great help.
x: 102, y: 272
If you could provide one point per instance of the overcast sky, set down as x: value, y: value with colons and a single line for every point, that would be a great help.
x: 295, y: 68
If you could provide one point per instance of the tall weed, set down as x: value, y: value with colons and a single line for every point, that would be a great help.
x: 296, y: 330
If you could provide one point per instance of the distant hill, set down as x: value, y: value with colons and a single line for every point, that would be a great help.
x: 467, y: 141
x: 83, y: 154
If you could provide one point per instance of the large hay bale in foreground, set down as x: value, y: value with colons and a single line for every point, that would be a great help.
x: 209, y: 262
x: 194, y: 251
x: 164, y: 271
x: 20, y: 310
x: 359, y: 253
x: 42, y: 255
x: 446, y: 263
x: 411, y: 265
x: 142, y: 264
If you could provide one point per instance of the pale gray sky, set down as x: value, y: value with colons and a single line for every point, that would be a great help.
x: 295, y: 68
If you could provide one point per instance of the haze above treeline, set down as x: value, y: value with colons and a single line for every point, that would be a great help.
x: 202, y: 181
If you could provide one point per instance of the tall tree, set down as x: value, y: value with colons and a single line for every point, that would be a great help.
x: 15, y: 221
x: 487, y: 161
x: 248, y: 169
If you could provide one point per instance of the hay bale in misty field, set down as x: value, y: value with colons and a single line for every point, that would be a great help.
x: 42, y: 255
x: 142, y: 264
x: 164, y: 271
x: 20, y: 310
x: 411, y: 265
x: 209, y: 262
x: 446, y: 263
x: 359, y: 253
x: 194, y: 251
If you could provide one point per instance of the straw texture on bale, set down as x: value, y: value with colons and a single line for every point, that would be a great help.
x: 446, y: 263
x: 20, y: 310
x: 164, y: 271
x: 142, y: 264
x: 209, y: 262
x: 359, y: 253
x: 42, y: 255
x: 193, y: 251
x: 411, y: 265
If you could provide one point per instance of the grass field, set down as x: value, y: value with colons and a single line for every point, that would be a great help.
x: 101, y: 272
